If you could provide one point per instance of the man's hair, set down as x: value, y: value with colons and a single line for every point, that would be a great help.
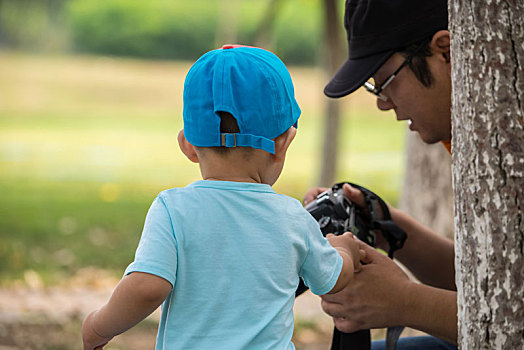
x: 418, y: 64
x: 228, y: 124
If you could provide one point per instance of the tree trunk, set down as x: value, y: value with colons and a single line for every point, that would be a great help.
x: 333, y: 61
x: 427, y: 194
x: 488, y: 170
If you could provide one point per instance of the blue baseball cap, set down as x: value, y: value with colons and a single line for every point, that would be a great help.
x: 252, y: 84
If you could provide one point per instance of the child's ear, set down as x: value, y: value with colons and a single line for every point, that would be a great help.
x: 187, y: 148
x: 282, y: 143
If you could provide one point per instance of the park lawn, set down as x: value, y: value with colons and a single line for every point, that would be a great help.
x: 86, y: 143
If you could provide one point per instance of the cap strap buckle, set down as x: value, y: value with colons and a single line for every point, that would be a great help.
x: 224, y: 143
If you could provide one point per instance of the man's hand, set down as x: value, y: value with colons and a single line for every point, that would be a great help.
x: 350, y: 192
x: 313, y: 193
x: 90, y: 338
x: 375, y: 298
x: 357, y: 198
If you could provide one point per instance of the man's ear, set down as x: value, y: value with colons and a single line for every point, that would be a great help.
x: 282, y: 143
x: 187, y: 148
x: 440, y: 44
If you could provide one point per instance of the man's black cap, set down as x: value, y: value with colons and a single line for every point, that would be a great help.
x: 376, y: 29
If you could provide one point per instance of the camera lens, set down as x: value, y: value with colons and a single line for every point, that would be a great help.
x: 324, y: 222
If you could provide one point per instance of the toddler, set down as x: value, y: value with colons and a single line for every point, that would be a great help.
x: 224, y: 255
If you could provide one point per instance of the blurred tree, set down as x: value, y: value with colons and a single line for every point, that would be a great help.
x: 183, y: 30
x: 333, y: 59
x: 33, y: 25
x: 427, y: 193
x: 264, y: 31
x: 2, y: 31
x: 227, y: 23
x: 332, y: 54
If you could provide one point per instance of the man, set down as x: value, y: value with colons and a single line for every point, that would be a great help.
x: 399, y: 50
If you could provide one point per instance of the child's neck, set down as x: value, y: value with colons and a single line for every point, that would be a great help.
x: 232, y: 178
x: 235, y: 169
x: 230, y: 171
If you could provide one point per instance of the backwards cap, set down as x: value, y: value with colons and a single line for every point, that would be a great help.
x: 251, y: 84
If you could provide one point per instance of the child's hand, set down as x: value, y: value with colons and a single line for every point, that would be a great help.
x: 349, y: 244
x: 91, y: 339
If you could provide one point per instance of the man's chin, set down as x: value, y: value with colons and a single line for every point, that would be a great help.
x: 429, y: 139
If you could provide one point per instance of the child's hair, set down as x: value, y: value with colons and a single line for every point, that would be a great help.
x: 228, y: 124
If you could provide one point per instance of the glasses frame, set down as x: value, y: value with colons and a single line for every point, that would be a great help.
x: 377, y: 91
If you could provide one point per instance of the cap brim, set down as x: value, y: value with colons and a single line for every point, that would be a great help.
x: 354, y: 73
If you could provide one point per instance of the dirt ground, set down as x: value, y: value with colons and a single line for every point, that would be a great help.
x: 33, y: 317
x: 46, y: 319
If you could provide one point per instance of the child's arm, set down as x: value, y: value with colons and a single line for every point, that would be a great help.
x: 135, y: 297
x: 348, y: 247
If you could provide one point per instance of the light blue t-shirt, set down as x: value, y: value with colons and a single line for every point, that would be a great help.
x: 234, y: 253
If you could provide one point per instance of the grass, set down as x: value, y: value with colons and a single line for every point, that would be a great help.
x: 86, y: 143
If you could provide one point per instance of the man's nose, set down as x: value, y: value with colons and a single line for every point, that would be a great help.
x: 385, y: 105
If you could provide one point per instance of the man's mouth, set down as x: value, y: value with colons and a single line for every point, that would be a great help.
x: 402, y: 118
x: 409, y: 120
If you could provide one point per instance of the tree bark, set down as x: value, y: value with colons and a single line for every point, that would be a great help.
x: 488, y: 170
x: 333, y: 61
x: 427, y: 194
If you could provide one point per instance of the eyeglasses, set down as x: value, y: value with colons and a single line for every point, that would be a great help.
x: 377, y: 90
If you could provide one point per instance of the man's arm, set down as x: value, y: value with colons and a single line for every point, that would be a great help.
x: 428, y: 255
x: 135, y: 297
x: 381, y: 295
x: 432, y: 310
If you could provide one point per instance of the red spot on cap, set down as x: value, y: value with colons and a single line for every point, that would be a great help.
x: 232, y: 46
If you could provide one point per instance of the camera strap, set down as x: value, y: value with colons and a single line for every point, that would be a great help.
x: 361, y: 340
x: 378, y: 218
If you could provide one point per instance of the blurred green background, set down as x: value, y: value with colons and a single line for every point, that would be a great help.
x: 90, y: 106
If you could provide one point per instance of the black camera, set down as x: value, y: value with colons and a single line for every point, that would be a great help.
x: 336, y: 214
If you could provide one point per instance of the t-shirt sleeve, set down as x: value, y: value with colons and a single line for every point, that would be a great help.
x: 323, y: 263
x: 157, y: 251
